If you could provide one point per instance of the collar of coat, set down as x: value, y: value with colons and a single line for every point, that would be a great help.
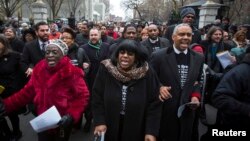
x: 171, y: 49
x: 63, y: 70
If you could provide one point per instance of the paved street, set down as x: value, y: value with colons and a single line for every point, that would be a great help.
x: 30, y: 135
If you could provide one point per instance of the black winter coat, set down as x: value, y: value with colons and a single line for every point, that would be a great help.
x: 10, y: 75
x: 17, y: 45
x: 213, y: 78
x: 95, y: 57
x: 78, y: 54
x: 214, y: 64
x: 163, y: 43
x: 82, y: 39
x: 232, y: 97
x: 165, y: 64
x: 143, y: 108
x: 32, y: 54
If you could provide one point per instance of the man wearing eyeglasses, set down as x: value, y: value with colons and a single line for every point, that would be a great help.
x: 187, y: 16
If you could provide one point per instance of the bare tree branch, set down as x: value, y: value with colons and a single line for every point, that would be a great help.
x: 73, y: 5
x: 9, y: 7
x: 55, y: 6
x: 133, y: 5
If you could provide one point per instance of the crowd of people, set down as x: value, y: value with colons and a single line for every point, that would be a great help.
x: 131, y: 83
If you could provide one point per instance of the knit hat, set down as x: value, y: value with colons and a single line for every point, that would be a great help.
x: 186, y: 11
x: 59, y: 43
x: 197, y: 48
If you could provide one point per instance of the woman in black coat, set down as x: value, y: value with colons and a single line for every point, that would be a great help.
x: 11, y: 80
x: 125, y: 96
x: 77, y: 55
x: 15, y: 43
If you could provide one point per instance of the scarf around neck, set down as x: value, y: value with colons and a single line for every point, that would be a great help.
x: 96, y: 46
x: 126, y: 76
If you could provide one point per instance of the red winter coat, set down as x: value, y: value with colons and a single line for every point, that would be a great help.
x: 62, y: 86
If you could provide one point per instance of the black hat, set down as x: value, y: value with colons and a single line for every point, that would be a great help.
x: 186, y: 11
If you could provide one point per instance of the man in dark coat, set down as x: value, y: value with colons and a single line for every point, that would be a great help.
x: 97, y: 51
x: 104, y: 37
x: 179, y: 70
x: 187, y: 16
x: 232, y: 98
x: 154, y: 42
x: 34, y: 51
x: 129, y: 32
x: 83, y: 37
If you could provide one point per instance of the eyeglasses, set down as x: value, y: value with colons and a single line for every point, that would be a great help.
x: 190, y: 17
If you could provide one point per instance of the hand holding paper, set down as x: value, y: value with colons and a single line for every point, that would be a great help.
x: 225, y: 58
x: 47, y: 120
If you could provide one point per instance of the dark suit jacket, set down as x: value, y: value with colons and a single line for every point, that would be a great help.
x: 32, y: 54
x: 165, y: 64
x: 107, y: 39
x: 81, y: 39
x: 163, y: 43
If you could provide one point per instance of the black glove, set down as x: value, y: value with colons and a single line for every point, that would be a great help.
x: 213, y: 75
x: 66, y: 121
x: 2, y: 109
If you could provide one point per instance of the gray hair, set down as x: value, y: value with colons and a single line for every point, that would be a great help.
x: 178, y: 26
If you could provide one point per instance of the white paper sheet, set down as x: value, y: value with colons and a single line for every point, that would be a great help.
x: 46, y: 120
x: 224, y: 58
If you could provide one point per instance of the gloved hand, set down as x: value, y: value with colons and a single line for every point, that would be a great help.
x: 2, y: 109
x: 65, y: 121
x: 213, y: 75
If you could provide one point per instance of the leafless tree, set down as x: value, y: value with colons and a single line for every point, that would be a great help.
x: 237, y: 10
x: 73, y: 6
x: 133, y: 5
x: 29, y: 3
x: 55, y: 6
x: 9, y: 7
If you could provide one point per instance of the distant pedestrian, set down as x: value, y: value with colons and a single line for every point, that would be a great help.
x: 188, y: 16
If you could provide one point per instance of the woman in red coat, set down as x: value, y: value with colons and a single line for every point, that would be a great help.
x: 55, y: 81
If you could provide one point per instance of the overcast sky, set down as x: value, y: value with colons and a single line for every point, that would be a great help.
x: 116, y: 9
